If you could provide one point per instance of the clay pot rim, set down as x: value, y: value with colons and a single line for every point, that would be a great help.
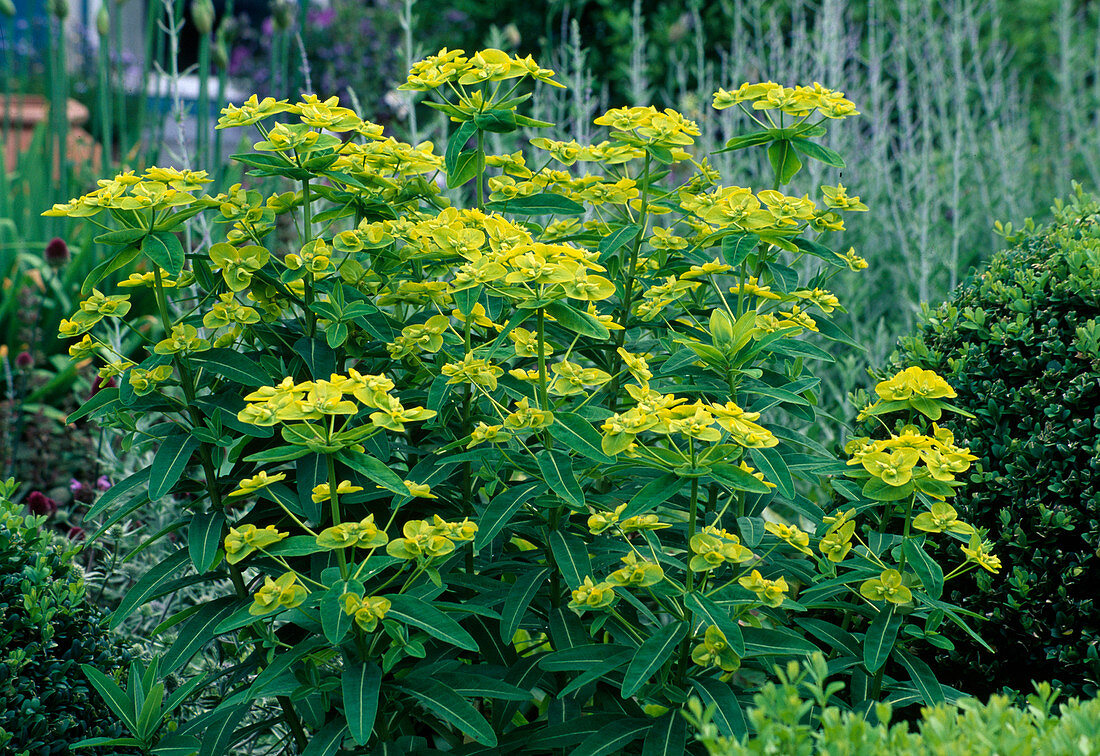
x: 28, y: 110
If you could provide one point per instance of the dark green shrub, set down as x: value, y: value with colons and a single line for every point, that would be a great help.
x: 46, y: 632
x: 1020, y: 342
x: 794, y: 717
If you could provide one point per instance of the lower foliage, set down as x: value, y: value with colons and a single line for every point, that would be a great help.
x: 46, y: 632
x: 794, y: 717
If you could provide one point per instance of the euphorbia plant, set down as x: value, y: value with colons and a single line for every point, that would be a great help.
x: 526, y: 474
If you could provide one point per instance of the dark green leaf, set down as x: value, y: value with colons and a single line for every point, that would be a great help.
x: 751, y: 529
x: 452, y: 708
x: 372, y: 469
x: 579, y: 435
x: 922, y: 676
x: 879, y: 641
x: 653, y: 493
x: 419, y: 613
x: 574, y: 320
x: 770, y: 462
x: 835, y: 636
x: 497, y: 120
x: 927, y: 568
x: 456, y: 144
x: 217, y: 735
x: 519, y: 598
x: 712, y: 614
x: 667, y: 736
x: 502, y: 509
x: 748, y: 140
x: 571, y: 557
x: 199, y: 630
x: 581, y: 657
x: 204, y: 537
x: 736, y: 478
x: 728, y: 714
x: 113, y: 695
x: 736, y: 247
x: 775, y: 641
x: 557, y: 471
x: 148, y: 585
x: 360, y: 682
x: 613, y: 737
x: 545, y: 203
x: 610, y: 243
x: 115, y: 262
x: 232, y: 365
x: 649, y: 657
x: 467, y: 165
x: 121, y: 237
x: 319, y: 359
x: 598, y: 670
x: 326, y: 741
x: 784, y: 161
x: 169, y: 463
x: 103, y: 398
x: 117, y: 492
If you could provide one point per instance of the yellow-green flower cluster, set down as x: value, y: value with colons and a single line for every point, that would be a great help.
x: 242, y: 541
x: 426, y: 541
x: 363, y: 535
x: 367, y: 611
x: 894, y: 460
x: 484, y: 66
x: 591, y: 596
x: 284, y: 593
x: 798, y: 101
x: 771, y: 592
x: 715, y: 651
x: 714, y: 547
x: 155, y: 190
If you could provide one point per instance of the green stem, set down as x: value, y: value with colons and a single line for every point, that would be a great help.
x: 480, y: 169
x: 334, y: 502
x: 905, y: 530
x: 544, y: 399
x: 203, y: 114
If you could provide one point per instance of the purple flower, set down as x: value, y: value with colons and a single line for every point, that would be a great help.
x: 76, y: 533
x: 75, y: 486
x: 57, y: 252
x: 103, y: 483
x: 24, y: 360
x: 99, y: 383
x: 41, y: 504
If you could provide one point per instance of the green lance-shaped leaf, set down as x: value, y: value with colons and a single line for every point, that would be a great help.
x: 728, y: 714
x: 519, y: 598
x: 667, y: 736
x: 360, y: 682
x: 113, y: 695
x: 169, y: 463
x: 204, y: 537
x: 327, y: 740
x: 419, y: 613
x: 651, y: 655
x: 775, y: 469
x: 451, y: 708
x: 613, y: 737
x: 579, y: 435
x: 571, y: 557
x: 557, y: 471
x: 546, y: 203
x: 503, y: 508
x: 880, y: 638
x: 148, y: 585
x: 574, y: 320
x: 712, y: 614
x: 817, y: 152
x: 736, y: 247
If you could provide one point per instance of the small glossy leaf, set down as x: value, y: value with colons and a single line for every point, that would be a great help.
x: 784, y: 161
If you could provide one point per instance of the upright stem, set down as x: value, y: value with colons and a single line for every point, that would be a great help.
x: 480, y: 169
x: 544, y: 399
x: 335, y: 509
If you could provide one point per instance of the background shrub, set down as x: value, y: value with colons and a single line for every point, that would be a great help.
x: 46, y: 631
x: 971, y: 728
x: 1021, y: 344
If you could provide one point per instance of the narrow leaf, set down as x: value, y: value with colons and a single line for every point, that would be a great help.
x: 114, y: 696
x: 148, y: 585
x: 557, y: 471
x: 613, y: 737
x: 502, y: 509
x: 419, y: 613
x: 879, y: 641
x: 579, y: 435
x: 728, y: 714
x: 452, y: 708
x: 651, y: 655
x: 519, y: 598
x: 204, y: 536
x: 667, y: 736
x: 712, y: 614
x: 360, y: 682
x: 770, y: 462
x: 169, y: 463
x: 571, y: 557
x: 372, y: 469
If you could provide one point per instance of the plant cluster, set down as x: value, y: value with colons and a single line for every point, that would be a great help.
x: 795, y: 716
x: 521, y: 475
x: 46, y: 632
x: 1019, y: 342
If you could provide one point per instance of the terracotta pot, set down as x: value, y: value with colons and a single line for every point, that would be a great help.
x: 25, y: 112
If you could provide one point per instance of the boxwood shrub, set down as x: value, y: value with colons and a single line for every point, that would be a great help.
x: 794, y: 717
x: 46, y: 631
x: 1020, y: 342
